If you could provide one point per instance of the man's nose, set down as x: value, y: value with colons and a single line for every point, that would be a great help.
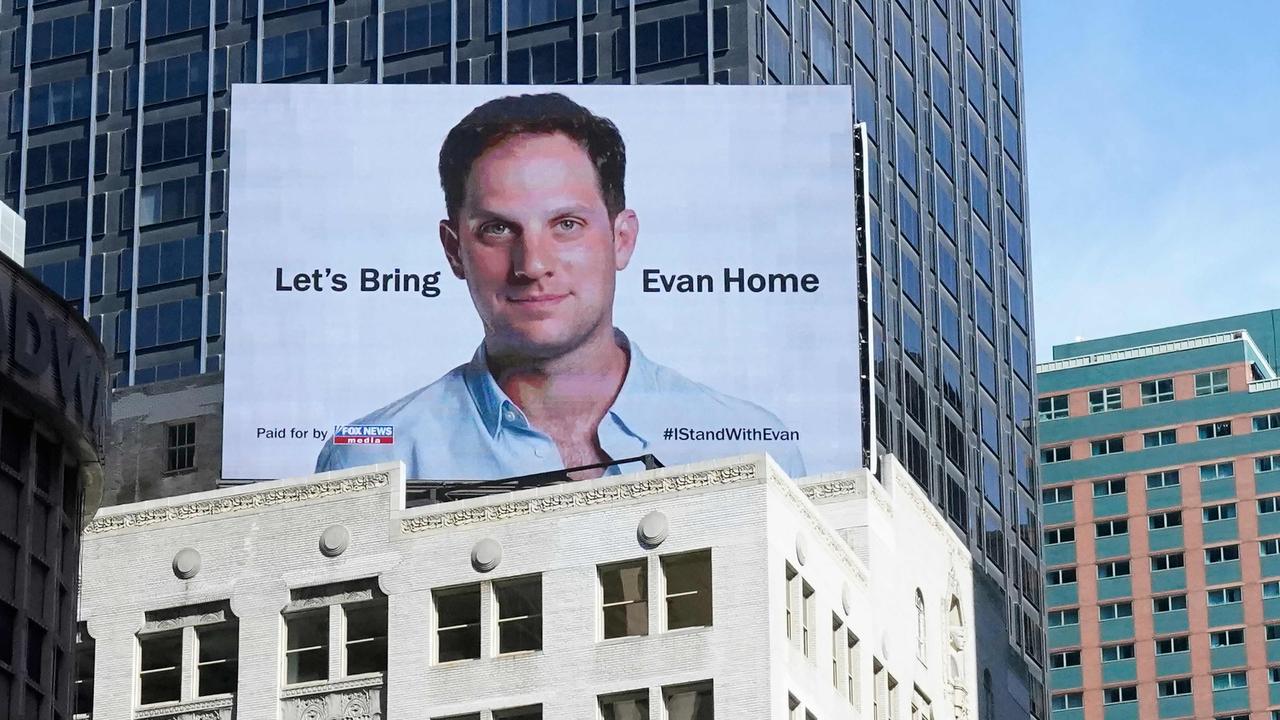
x: 533, y: 256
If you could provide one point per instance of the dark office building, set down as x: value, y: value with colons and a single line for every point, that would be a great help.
x: 53, y: 396
x: 117, y: 154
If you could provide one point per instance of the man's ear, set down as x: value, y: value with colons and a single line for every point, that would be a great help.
x: 626, y: 227
x: 452, y: 248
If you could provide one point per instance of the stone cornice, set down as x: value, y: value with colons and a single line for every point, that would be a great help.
x: 242, y: 502
x: 559, y: 502
x: 834, y: 542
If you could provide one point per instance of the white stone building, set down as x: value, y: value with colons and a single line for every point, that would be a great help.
x: 13, y: 234
x: 715, y: 590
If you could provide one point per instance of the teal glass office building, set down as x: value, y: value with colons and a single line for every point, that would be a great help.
x: 1160, y: 460
x: 116, y: 153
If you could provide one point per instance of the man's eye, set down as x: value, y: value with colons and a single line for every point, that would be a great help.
x: 496, y: 229
x: 568, y: 224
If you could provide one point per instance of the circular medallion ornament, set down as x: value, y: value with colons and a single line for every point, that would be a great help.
x: 486, y: 555
x: 653, y: 529
x: 186, y: 563
x: 334, y: 540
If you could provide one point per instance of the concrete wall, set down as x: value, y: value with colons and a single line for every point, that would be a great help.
x: 136, y: 452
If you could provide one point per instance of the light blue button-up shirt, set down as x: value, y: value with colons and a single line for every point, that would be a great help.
x: 464, y: 427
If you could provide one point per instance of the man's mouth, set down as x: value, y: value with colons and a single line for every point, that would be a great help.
x: 538, y: 300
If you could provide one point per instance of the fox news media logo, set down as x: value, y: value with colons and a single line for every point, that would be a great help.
x: 364, y: 434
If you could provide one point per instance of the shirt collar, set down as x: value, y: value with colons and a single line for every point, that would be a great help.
x: 496, y: 409
x: 491, y: 402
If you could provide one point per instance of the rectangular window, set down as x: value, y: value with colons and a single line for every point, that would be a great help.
x: 1209, y: 431
x: 1157, y: 391
x: 1104, y: 400
x: 217, y: 655
x: 1109, y: 528
x: 1211, y: 383
x: 1221, y: 554
x: 1053, y: 408
x: 1169, y: 603
x: 1105, y: 488
x: 365, y: 642
x: 1056, y: 495
x: 689, y: 702
x: 1122, y: 694
x: 688, y: 589
x: 161, y: 669
x: 1273, y: 631
x: 306, y: 646
x: 1266, y: 463
x: 1270, y: 546
x: 1172, y: 688
x: 1223, y: 596
x: 1115, y: 568
x: 632, y: 705
x: 1217, y: 471
x: 1112, y: 653
x: 1063, y: 618
x: 1057, y: 536
x: 1268, y: 505
x: 1168, y: 561
x: 1159, y: 438
x: 1068, y: 701
x: 180, y: 448
x: 457, y: 623
x: 1107, y: 446
x: 1225, y: 511
x: 851, y: 667
x: 1048, y: 456
x: 1230, y: 680
x: 1061, y: 576
x: 1166, y: 478
x: 1171, y: 518
x: 1270, y: 589
x: 625, y: 599
x: 806, y: 618
x: 1263, y: 423
x: 1171, y: 645
x: 519, y: 614
x: 1069, y: 658
x: 1226, y: 638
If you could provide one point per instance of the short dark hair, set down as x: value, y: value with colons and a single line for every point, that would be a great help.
x: 542, y: 114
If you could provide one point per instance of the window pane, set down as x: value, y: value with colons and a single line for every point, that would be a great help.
x: 161, y: 667
x: 217, y: 656
x: 626, y: 606
x: 458, y: 620
x: 688, y: 579
x: 519, y: 614
x: 307, y: 646
x: 366, y: 638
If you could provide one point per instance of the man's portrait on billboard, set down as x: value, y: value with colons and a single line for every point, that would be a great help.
x: 538, y: 227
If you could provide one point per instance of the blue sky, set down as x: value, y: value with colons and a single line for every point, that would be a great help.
x: 1153, y: 141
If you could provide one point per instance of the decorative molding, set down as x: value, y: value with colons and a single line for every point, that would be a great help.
x: 835, y: 488
x: 579, y: 499
x: 359, y: 703
x: 239, y: 503
x: 834, y: 542
x: 339, y: 598
x: 338, y: 686
x: 216, y: 709
x: 192, y: 620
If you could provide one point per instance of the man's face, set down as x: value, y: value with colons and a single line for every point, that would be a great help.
x: 537, y: 247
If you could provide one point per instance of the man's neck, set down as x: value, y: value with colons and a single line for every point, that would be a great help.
x: 570, y: 393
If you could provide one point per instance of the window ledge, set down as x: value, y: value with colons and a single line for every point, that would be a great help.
x: 321, y: 687
x: 175, y: 710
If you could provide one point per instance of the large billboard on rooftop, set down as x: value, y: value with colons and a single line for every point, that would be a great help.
x: 488, y: 281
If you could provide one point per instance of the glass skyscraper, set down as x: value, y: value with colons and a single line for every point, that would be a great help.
x: 116, y: 154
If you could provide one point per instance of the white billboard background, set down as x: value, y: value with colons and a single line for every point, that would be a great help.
x: 344, y: 177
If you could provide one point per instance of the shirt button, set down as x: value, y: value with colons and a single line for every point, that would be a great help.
x: 510, y: 416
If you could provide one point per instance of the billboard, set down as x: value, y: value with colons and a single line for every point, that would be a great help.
x: 495, y: 281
